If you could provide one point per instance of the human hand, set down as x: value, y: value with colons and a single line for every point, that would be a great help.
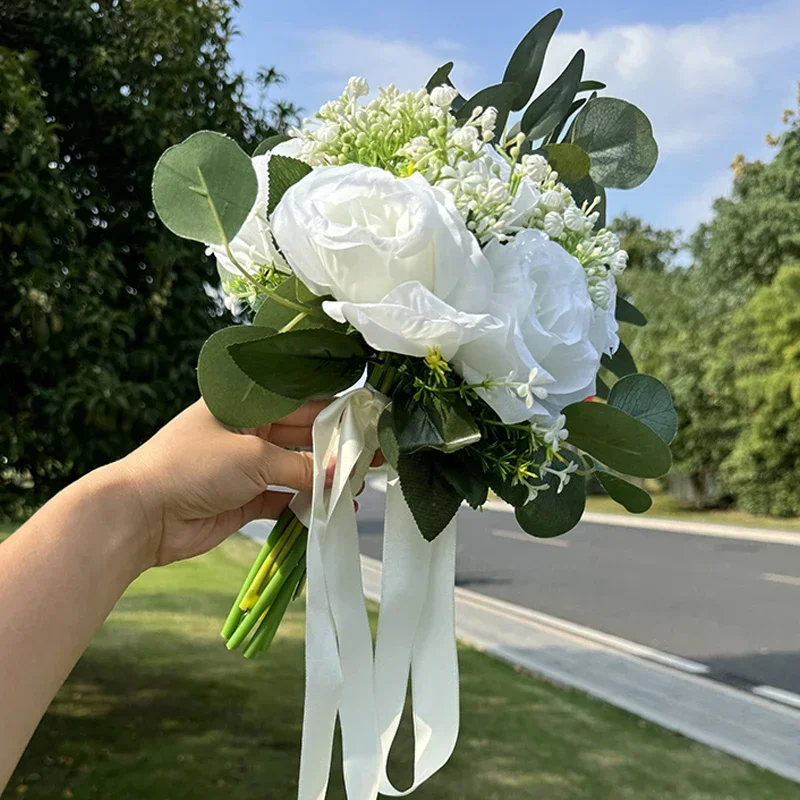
x: 196, y: 482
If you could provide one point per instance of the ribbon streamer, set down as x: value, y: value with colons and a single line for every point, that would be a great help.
x: 416, y: 628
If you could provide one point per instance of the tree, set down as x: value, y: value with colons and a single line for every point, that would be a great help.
x: 648, y: 248
x: 104, y: 310
x: 763, y: 468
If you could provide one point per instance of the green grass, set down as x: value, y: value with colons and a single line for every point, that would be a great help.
x: 671, y: 507
x: 158, y: 709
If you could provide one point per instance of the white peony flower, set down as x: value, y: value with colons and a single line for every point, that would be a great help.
x: 393, y: 252
x: 542, y: 297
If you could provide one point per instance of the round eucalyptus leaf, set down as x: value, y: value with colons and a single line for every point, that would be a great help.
x: 204, y: 188
x: 645, y: 398
x: 619, y: 140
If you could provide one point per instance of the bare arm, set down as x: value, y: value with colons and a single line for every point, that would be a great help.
x: 177, y: 496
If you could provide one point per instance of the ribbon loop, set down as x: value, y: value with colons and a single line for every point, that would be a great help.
x: 416, y: 631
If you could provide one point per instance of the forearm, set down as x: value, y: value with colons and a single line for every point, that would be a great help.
x: 60, y: 576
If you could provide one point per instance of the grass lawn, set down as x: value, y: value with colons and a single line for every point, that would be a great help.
x: 670, y: 507
x: 158, y: 709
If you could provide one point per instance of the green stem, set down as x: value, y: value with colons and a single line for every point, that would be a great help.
x: 236, y: 613
x: 266, y: 631
x: 292, y: 323
x: 269, y: 594
x: 273, y: 295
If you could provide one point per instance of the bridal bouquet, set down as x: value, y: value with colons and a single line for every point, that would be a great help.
x: 461, y: 264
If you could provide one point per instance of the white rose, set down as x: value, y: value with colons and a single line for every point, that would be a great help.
x: 542, y: 297
x: 393, y: 252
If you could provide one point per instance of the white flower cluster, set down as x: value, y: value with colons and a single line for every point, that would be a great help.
x: 498, y: 193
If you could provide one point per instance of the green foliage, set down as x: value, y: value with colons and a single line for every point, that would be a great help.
x: 763, y: 468
x: 103, y: 309
x: 621, y: 363
x: 617, y: 440
x: 627, y: 312
x: 231, y: 396
x: 302, y: 364
x: 648, y: 248
x: 270, y: 142
x: 619, y: 140
x: 501, y: 96
x: 283, y: 173
x: 645, y: 398
x: 204, y: 188
x: 553, y: 513
x: 438, y: 422
x: 549, y: 108
x: 628, y: 495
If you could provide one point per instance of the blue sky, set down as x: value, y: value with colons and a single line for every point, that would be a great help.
x: 713, y: 75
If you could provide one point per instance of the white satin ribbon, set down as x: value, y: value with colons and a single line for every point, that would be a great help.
x: 416, y: 630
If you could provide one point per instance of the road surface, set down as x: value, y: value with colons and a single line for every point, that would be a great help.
x: 730, y: 604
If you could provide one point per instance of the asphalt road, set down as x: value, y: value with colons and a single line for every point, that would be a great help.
x: 730, y: 604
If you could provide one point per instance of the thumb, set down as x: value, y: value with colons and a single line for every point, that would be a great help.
x: 289, y: 468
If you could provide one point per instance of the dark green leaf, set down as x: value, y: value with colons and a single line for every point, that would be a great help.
x: 571, y: 163
x: 633, y: 498
x: 283, y: 173
x: 627, y: 312
x: 549, y: 108
x: 387, y: 438
x: 645, y: 398
x: 204, y: 188
x: 303, y: 364
x: 525, y: 65
x: 591, y: 86
x: 501, y: 95
x: 619, y: 139
x: 602, y: 388
x: 268, y: 144
x: 441, y: 424
x: 465, y: 481
x: 515, y: 494
x: 440, y: 78
x: 272, y: 314
x: 552, y: 514
x: 556, y: 132
x: 617, y: 440
x: 230, y: 395
x: 621, y: 363
x: 430, y: 496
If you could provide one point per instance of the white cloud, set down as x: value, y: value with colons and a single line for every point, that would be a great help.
x: 695, y: 206
x: 338, y: 54
x: 692, y: 80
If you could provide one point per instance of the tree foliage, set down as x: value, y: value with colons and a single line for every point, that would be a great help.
x: 648, y: 248
x: 104, y: 311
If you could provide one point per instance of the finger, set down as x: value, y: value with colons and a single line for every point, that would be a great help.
x: 378, y: 460
x: 305, y: 415
x: 290, y: 436
x: 288, y: 468
x: 268, y: 505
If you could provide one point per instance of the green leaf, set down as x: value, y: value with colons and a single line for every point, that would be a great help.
x: 617, y: 440
x: 619, y: 139
x: 601, y: 389
x: 469, y: 485
x: 283, y: 173
x: 230, y: 395
x: 272, y: 314
x: 501, y: 95
x: 591, y: 86
x: 571, y: 163
x: 268, y: 144
x: 632, y: 497
x: 621, y: 363
x: 204, y: 188
x: 526, y: 62
x: 440, y: 424
x: 304, y: 294
x: 547, y: 110
x: 553, y: 514
x: 440, y: 78
x: 645, y: 398
x: 387, y: 438
x: 627, y: 312
x: 302, y: 364
x: 431, y: 498
x: 556, y: 132
x: 515, y: 494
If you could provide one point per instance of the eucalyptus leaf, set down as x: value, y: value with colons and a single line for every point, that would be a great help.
x: 431, y: 498
x: 549, y: 108
x: 627, y: 312
x: 284, y: 172
x: 465, y: 481
x: 515, y: 494
x: 440, y: 78
x: 304, y: 294
x: 617, y: 440
x: 204, y: 188
x: 552, y: 513
x: 647, y: 399
x: 525, y: 66
x: 232, y: 397
x: 621, y: 363
x: 303, y: 364
x: 269, y: 143
x: 556, y: 132
x: 619, y: 139
x: 571, y: 163
x: 387, y: 438
x: 500, y: 96
x: 628, y: 495
x: 591, y: 86
x: 601, y: 389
